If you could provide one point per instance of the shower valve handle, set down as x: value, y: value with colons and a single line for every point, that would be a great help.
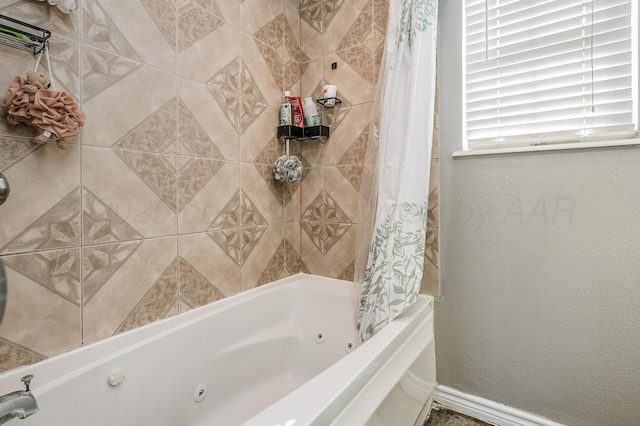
x: 4, y: 188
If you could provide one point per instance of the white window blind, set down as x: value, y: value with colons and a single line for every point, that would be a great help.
x: 545, y: 71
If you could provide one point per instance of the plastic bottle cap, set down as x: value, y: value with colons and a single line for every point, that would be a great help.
x: 287, y: 94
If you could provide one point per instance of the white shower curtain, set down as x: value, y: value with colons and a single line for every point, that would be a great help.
x: 403, y: 136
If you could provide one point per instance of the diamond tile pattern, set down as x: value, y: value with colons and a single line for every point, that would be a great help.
x: 357, y: 48
x: 195, y: 289
x: 14, y: 355
x: 285, y: 261
x: 58, y: 228
x: 157, y: 303
x: 239, y: 97
x: 196, y: 19
x: 324, y: 222
x: 282, y: 55
x: 157, y: 134
x: 242, y: 225
x: 350, y: 165
x: 319, y: 13
x: 87, y: 256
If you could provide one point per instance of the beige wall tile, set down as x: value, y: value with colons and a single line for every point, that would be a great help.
x: 195, y: 289
x: 352, y: 22
x: 196, y: 20
x: 348, y: 141
x: 312, y: 153
x: 292, y: 193
x: 293, y: 263
x: 264, y: 193
x: 130, y: 29
x: 139, y: 188
x: 44, y: 195
x: 269, y: 79
x: 351, y: 84
x: 341, y: 255
x: 312, y: 196
x: 311, y: 42
x: 205, y: 58
x: 42, y: 312
x: 65, y: 62
x: 258, y: 142
x: 255, y: 14
x: 121, y: 107
x: 203, y: 253
x: 205, y: 207
x: 137, y: 293
x: 206, y: 128
x: 14, y: 150
x: 259, y: 253
x: 230, y: 11
x: 312, y: 79
x: 344, y: 197
x: 310, y: 254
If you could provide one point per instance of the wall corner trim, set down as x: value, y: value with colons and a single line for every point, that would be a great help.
x: 486, y: 410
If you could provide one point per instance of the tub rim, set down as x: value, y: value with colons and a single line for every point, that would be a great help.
x: 56, y: 369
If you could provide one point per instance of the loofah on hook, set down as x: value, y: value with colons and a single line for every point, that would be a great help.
x: 288, y: 168
x: 57, y: 114
x: 21, y: 96
x: 17, y: 102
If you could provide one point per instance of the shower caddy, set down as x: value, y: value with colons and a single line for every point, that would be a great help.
x: 288, y: 168
x: 312, y: 132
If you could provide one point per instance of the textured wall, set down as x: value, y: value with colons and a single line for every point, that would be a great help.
x: 540, y: 271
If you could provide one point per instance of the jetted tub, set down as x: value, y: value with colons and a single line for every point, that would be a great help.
x: 281, y: 354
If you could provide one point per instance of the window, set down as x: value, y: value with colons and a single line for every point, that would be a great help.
x: 549, y: 71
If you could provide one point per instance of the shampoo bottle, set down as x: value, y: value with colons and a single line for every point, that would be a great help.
x: 310, y: 113
x: 285, y: 110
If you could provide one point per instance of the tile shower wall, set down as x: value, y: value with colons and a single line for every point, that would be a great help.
x: 351, y: 35
x: 166, y: 202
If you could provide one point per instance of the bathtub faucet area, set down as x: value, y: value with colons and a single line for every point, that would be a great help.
x: 19, y: 404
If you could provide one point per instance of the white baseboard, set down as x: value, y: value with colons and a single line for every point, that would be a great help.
x: 485, y: 410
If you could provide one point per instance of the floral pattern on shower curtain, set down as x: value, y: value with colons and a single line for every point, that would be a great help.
x: 403, y: 136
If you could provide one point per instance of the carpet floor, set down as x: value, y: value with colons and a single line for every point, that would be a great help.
x: 445, y: 417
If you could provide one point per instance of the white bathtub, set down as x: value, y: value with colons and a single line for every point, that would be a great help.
x: 275, y: 355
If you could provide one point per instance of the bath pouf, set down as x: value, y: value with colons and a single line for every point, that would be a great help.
x: 17, y: 102
x: 58, y: 116
x: 20, y: 97
x: 288, y: 168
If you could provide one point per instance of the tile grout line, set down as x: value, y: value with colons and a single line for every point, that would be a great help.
x: 81, y: 147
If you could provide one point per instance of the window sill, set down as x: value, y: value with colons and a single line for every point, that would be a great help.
x: 543, y: 148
